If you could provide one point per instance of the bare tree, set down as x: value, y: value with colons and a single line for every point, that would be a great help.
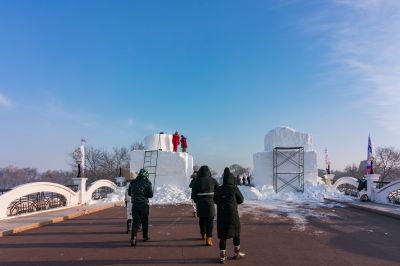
x: 137, y: 146
x: 387, y: 162
x: 101, y: 164
x: 353, y: 170
x: 237, y: 170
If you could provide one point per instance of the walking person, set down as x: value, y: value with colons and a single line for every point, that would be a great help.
x: 202, y: 194
x: 140, y: 190
x: 227, y: 197
x: 184, y: 143
x: 175, y: 141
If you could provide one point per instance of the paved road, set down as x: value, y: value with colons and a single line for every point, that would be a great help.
x: 327, y: 236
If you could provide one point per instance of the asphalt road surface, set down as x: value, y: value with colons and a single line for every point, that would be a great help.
x: 330, y: 236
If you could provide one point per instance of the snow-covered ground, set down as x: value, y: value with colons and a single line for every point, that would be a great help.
x: 298, y: 207
x: 259, y: 201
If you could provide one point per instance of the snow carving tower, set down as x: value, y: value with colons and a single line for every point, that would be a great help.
x: 165, y: 166
x: 284, y: 137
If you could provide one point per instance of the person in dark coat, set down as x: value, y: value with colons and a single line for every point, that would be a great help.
x: 202, y: 194
x: 227, y: 197
x: 140, y: 190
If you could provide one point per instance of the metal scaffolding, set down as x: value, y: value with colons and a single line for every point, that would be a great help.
x: 288, y: 168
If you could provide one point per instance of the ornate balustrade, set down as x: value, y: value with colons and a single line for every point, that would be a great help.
x: 38, y: 196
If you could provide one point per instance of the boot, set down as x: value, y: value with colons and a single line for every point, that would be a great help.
x: 133, y: 242
x: 203, y: 237
x: 146, y: 238
x: 222, y: 256
x: 209, y: 241
x: 238, y: 254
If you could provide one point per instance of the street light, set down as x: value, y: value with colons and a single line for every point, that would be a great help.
x: 78, y: 158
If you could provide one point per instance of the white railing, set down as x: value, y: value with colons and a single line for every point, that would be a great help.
x: 81, y: 197
x: 387, y: 194
x: 346, y: 180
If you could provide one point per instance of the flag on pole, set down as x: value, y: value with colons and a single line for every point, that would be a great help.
x: 370, y: 157
x: 327, y: 162
x: 83, y: 142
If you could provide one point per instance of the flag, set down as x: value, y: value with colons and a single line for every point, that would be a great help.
x: 370, y: 157
x: 327, y: 163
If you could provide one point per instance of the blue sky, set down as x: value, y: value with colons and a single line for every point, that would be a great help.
x: 221, y: 72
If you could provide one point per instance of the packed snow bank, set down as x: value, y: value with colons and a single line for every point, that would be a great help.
x: 295, y: 206
x: 312, y: 193
x: 167, y: 194
x: 116, y: 196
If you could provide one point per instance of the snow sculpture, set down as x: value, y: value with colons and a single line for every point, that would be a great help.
x: 284, y: 137
x: 173, y: 168
x: 158, y: 141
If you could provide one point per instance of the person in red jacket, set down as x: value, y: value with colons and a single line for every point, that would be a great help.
x: 175, y: 141
x: 184, y: 143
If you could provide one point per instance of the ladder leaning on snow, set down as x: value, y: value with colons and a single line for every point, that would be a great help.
x: 150, y: 164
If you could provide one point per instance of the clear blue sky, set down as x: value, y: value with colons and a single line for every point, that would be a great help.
x: 221, y: 72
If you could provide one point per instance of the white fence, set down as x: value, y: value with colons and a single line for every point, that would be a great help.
x: 68, y: 197
x: 387, y: 194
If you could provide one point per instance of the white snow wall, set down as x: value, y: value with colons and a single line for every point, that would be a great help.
x: 284, y: 137
x: 173, y: 168
x: 158, y: 141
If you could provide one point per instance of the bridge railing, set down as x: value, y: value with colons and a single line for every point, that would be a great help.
x: 377, y: 191
x: 39, y: 196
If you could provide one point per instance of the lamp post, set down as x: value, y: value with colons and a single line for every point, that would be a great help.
x: 78, y: 158
x: 79, y: 180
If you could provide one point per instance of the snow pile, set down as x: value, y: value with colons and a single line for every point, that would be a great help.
x: 295, y: 206
x: 167, y: 194
x: 312, y: 193
x: 116, y: 196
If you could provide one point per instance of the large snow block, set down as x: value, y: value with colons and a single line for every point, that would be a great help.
x: 264, y: 168
x: 173, y: 168
x: 284, y: 137
x: 287, y: 137
x: 159, y: 141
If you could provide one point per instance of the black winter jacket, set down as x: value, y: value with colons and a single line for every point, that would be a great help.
x: 227, y: 197
x: 203, y: 192
x: 140, y: 191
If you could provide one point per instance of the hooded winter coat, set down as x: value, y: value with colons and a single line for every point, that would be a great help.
x: 140, y: 191
x: 227, y: 197
x: 203, y: 192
